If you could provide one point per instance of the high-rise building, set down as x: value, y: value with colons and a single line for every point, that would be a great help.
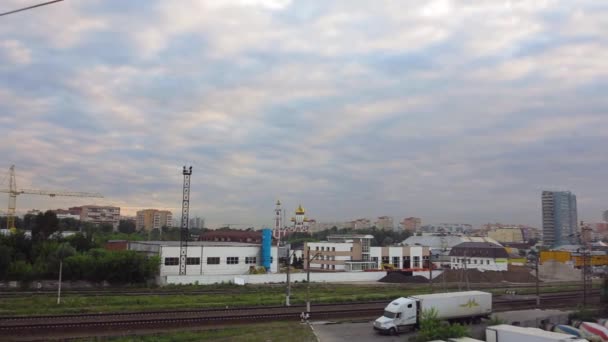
x: 197, y: 222
x: 605, y: 216
x: 411, y: 224
x: 153, y: 219
x: 98, y: 214
x: 560, y: 218
x: 384, y: 222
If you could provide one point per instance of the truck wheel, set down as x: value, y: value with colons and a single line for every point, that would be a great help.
x: 392, y: 331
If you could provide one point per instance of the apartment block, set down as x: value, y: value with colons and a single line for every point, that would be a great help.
x: 411, y: 224
x: 153, y: 219
x: 99, y: 214
x: 384, y: 222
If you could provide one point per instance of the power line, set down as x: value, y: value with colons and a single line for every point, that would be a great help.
x: 30, y: 7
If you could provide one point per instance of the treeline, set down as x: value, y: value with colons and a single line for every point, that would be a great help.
x: 381, y: 237
x: 26, y: 258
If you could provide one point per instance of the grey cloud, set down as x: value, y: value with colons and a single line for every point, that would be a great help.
x: 450, y: 111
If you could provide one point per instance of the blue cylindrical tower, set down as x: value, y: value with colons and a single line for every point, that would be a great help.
x: 266, y: 247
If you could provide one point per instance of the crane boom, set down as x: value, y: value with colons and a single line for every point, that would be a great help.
x: 13, y: 192
x: 53, y: 193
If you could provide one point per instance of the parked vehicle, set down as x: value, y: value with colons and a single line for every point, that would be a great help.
x: 595, y: 331
x: 403, y: 314
x: 510, y: 333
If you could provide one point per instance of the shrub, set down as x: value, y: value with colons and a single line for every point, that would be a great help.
x: 431, y: 328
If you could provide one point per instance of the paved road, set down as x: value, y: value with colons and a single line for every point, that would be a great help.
x: 352, y: 332
x: 362, y: 330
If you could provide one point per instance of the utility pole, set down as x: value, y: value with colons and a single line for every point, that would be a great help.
x: 288, y: 288
x: 308, y: 281
x: 584, y: 278
x: 537, y: 285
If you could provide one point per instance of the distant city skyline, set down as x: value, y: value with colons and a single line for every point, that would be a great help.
x: 373, y: 219
x: 353, y: 109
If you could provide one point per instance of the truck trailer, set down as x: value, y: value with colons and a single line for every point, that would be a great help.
x: 510, y: 333
x: 403, y: 314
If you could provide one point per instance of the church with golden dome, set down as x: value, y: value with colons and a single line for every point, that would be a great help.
x: 300, y: 222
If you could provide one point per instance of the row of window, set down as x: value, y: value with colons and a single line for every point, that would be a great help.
x: 172, y: 261
x: 468, y: 261
x: 333, y: 267
x: 395, y: 261
x: 333, y: 249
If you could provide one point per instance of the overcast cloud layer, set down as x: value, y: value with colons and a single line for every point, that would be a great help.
x: 453, y: 111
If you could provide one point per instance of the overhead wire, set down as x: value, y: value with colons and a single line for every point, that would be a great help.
x: 29, y: 7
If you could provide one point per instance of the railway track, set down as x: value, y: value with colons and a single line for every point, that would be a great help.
x: 163, y: 292
x: 20, y: 326
x: 217, y: 310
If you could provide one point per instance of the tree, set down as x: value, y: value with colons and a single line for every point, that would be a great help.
x: 29, y: 222
x: 387, y: 241
x: 106, y: 228
x: 64, y: 250
x: 154, y: 234
x: 69, y: 224
x: 80, y: 242
x: 126, y: 226
x: 431, y: 328
x: 46, y: 225
x: 5, y: 260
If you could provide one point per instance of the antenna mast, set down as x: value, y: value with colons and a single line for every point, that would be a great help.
x: 183, y: 243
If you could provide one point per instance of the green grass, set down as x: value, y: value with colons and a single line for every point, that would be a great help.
x: 249, y: 295
x: 273, y: 331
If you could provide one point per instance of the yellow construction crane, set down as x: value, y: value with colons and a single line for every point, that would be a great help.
x: 13, y: 192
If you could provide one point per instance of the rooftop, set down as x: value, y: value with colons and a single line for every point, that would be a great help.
x: 444, y: 241
x: 192, y: 243
x: 479, y: 250
x: 349, y: 237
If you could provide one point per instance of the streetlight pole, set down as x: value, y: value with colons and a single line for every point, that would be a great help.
x: 288, y: 288
x: 431, y: 270
x: 309, y: 259
x: 59, y: 285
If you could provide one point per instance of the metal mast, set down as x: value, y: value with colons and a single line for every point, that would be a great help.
x: 183, y: 244
x: 278, y: 222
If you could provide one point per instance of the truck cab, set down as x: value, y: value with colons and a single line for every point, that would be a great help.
x: 399, y: 315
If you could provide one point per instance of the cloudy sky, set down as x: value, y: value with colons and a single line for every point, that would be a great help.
x: 453, y: 111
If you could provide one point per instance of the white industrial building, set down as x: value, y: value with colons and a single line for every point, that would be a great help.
x: 207, y: 257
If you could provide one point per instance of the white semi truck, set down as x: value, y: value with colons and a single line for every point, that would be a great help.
x: 403, y: 314
x: 510, y: 333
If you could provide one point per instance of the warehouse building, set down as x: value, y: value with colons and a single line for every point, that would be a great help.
x: 483, y: 256
x: 205, y: 257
